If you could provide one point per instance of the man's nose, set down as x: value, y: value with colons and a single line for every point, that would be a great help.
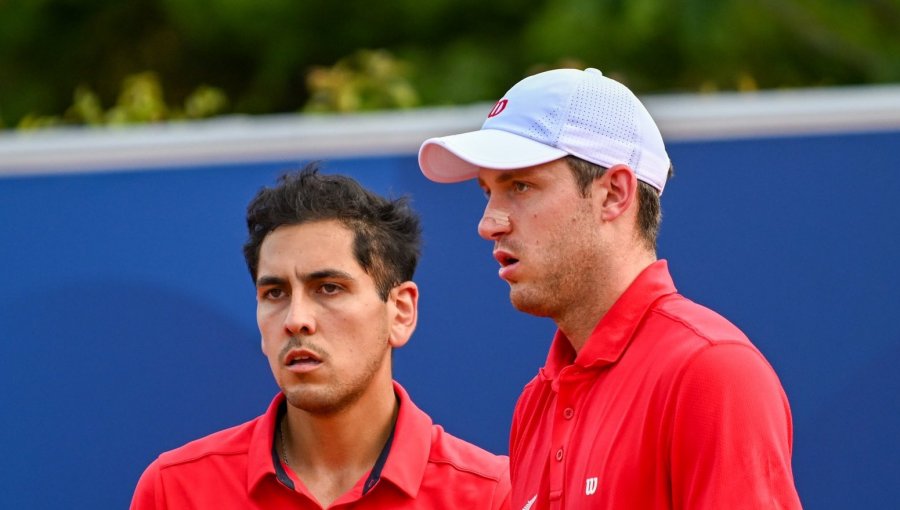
x: 494, y: 223
x: 299, y: 319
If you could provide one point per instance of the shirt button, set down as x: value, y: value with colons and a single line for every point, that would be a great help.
x: 568, y: 413
x: 559, y: 454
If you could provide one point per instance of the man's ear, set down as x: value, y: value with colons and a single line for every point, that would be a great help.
x: 403, y: 307
x: 615, y: 192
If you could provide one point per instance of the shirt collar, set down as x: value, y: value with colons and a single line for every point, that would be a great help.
x: 614, y: 331
x: 261, y: 461
x: 408, y: 458
x: 407, y: 455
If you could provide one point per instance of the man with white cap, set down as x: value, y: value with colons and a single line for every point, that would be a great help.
x: 647, y: 400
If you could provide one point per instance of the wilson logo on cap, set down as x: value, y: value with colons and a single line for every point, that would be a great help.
x: 499, y: 107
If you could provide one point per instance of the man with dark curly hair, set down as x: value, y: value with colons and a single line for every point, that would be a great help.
x: 332, y: 264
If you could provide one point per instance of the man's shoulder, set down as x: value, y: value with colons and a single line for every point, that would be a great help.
x: 677, y: 312
x: 684, y: 337
x: 465, y: 457
x: 227, y: 442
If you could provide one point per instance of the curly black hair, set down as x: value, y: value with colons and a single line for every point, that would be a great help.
x: 387, y: 233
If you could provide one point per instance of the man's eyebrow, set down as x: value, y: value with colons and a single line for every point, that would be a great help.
x: 507, y: 176
x: 325, y: 274
x: 322, y: 274
x: 266, y: 281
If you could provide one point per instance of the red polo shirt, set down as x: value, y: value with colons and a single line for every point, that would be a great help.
x: 421, y: 467
x: 668, y: 405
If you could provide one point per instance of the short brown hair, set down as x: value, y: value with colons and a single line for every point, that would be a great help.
x: 649, y: 209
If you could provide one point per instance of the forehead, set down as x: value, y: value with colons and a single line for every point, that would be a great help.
x: 308, y: 245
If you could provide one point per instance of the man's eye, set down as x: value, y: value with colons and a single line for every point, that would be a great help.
x: 273, y: 294
x: 521, y: 186
x: 330, y: 288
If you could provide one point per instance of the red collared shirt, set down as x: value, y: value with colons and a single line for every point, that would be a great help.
x: 237, y: 468
x: 667, y: 406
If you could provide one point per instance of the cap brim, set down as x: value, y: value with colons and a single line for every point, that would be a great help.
x: 459, y: 157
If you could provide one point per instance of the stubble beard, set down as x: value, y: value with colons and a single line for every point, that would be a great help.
x: 561, y: 280
x: 331, y: 399
x: 531, y: 299
x: 333, y: 396
x: 546, y: 297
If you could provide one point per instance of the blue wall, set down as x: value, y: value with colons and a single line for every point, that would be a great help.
x: 129, y: 328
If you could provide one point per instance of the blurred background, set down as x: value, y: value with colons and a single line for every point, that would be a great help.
x: 98, y: 61
x: 133, y: 134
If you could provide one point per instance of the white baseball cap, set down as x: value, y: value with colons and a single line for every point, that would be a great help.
x: 551, y: 115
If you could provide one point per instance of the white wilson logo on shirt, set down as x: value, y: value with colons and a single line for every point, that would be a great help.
x: 530, y: 503
x: 590, y: 486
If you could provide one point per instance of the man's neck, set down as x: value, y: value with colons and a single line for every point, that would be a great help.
x: 579, y: 320
x: 331, y: 453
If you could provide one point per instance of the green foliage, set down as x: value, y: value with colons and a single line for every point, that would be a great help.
x: 86, y: 107
x: 140, y: 101
x: 366, y: 80
x: 288, y: 55
x: 204, y: 102
x: 727, y: 44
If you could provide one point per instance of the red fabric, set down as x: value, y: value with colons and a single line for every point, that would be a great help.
x: 234, y: 469
x: 667, y: 406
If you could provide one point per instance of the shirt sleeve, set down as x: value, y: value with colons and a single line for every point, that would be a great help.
x: 731, y: 436
x: 148, y: 493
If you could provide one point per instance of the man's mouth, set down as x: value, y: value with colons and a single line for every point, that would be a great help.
x: 302, y: 358
x: 509, y: 265
x: 504, y: 258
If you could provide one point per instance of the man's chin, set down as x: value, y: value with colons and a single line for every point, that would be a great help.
x: 312, y: 402
x: 528, y: 302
